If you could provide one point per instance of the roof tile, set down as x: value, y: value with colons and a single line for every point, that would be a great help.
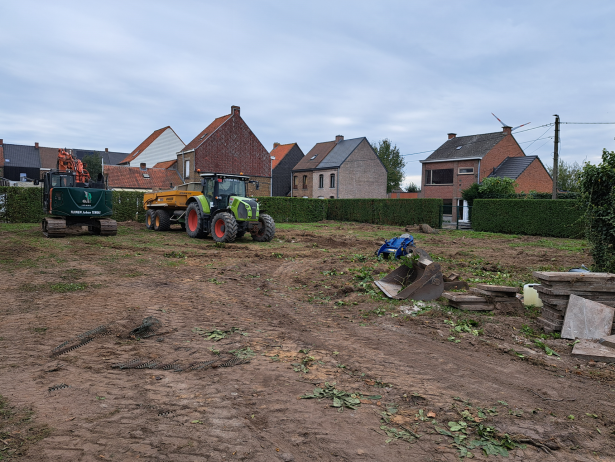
x: 315, y: 156
x: 462, y: 147
x: 512, y: 167
x: 279, y: 152
x: 166, y: 164
x: 120, y: 176
x: 212, y: 127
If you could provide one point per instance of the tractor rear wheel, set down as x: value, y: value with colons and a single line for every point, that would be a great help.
x: 195, y: 226
x: 224, y: 227
x: 267, y: 229
x: 162, y: 220
x: 149, y: 219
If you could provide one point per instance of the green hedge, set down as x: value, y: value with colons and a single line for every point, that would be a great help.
x: 537, y: 217
x: 294, y: 209
x: 23, y: 205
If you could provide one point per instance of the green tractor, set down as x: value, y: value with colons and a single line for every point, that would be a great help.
x: 217, y: 205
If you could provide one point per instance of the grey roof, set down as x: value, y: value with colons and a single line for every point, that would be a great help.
x: 340, y: 153
x: 462, y: 147
x: 17, y: 155
x: 512, y: 167
x: 109, y: 158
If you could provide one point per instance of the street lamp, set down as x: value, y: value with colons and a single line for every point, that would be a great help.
x: 271, y: 178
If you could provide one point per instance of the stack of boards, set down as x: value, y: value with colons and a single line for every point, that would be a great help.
x: 485, y: 297
x: 555, y: 290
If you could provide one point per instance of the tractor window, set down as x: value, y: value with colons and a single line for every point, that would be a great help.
x: 62, y: 181
x: 231, y: 187
x: 208, y: 189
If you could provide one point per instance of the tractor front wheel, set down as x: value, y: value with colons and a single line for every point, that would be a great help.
x: 149, y: 219
x: 266, y: 230
x: 195, y: 225
x: 224, y: 227
x: 162, y: 220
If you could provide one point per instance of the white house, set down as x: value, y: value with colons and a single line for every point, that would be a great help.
x: 162, y: 145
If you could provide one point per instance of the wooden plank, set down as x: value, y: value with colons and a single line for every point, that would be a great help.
x: 494, y: 288
x: 487, y: 293
x: 552, y: 276
x: 461, y: 297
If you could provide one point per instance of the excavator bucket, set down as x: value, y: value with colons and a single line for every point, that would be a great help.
x: 423, y: 281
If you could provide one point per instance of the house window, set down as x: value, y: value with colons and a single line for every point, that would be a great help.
x: 304, y: 181
x: 441, y: 176
x: 295, y: 182
x: 466, y: 170
x: 332, y: 181
x: 187, y: 168
x: 321, y: 181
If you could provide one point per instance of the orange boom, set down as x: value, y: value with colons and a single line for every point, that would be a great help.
x: 67, y: 162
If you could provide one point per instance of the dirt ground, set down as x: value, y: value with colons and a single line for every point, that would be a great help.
x: 434, y: 385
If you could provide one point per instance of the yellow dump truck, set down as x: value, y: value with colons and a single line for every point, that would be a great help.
x: 217, y: 205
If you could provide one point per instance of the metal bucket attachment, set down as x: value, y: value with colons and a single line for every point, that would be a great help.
x: 421, y: 282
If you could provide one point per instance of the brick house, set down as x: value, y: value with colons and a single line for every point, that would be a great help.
x: 163, y: 144
x: 227, y: 145
x: 340, y: 169
x: 284, y: 157
x: 122, y: 177
x: 1, y: 158
x: 464, y: 160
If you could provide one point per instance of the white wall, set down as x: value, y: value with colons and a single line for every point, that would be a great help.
x: 165, y: 147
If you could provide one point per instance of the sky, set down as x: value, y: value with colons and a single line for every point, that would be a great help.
x: 95, y: 75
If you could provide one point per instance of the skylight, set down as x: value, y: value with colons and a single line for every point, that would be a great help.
x: 204, y: 135
x: 313, y: 157
x: 459, y: 147
x: 146, y: 176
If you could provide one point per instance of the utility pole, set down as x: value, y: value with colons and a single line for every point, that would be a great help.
x: 555, y: 157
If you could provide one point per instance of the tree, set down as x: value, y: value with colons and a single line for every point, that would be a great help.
x: 412, y: 187
x: 393, y: 161
x: 497, y: 187
x: 567, y: 176
x: 93, y: 164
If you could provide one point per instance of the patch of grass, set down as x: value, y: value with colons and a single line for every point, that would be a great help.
x: 63, y: 287
x: 174, y: 254
x: 39, y: 330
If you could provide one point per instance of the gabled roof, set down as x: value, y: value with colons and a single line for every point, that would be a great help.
x: 166, y: 164
x: 201, y: 137
x: 109, y: 158
x: 143, y: 146
x: 279, y: 152
x: 512, y: 167
x: 340, y: 153
x: 17, y: 155
x: 120, y: 176
x: 466, y: 147
x: 315, y: 156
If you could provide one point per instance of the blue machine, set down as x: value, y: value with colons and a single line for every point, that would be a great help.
x: 398, y: 246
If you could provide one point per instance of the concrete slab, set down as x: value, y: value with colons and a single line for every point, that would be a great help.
x: 587, y: 319
x: 586, y: 349
x: 494, y: 288
x: 608, y: 341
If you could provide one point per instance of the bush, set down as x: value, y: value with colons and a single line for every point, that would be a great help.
x: 21, y: 205
x: 597, y: 185
x: 537, y: 217
x: 128, y: 205
x: 294, y: 209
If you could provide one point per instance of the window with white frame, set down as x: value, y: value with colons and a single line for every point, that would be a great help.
x: 466, y: 170
x: 187, y: 168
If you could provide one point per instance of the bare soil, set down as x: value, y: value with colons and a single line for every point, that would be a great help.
x: 303, y: 302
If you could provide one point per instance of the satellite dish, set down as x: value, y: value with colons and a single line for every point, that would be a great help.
x: 506, y: 125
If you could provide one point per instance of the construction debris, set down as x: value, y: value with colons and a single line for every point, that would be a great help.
x: 555, y: 289
x: 593, y: 351
x: 486, y: 297
x: 586, y: 319
x: 608, y: 341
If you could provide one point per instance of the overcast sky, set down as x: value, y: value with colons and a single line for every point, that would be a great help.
x: 93, y: 75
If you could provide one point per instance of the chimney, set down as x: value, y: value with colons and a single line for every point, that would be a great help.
x: 235, y: 110
x: 36, y: 145
x: 275, y: 145
x: 106, y: 149
x: 452, y: 135
x: 339, y: 138
x: 507, y: 130
x: 142, y: 166
x: 1, y: 141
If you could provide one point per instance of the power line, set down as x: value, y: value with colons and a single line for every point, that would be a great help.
x: 528, y: 129
x: 588, y: 123
x: 549, y: 128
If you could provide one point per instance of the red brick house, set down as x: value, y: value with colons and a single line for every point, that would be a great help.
x: 340, y: 169
x: 227, y: 145
x: 122, y: 177
x: 464, y: 160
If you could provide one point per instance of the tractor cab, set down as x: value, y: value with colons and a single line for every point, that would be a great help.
x: 219, y: 189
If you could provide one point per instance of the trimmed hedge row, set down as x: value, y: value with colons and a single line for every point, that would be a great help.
x: 376, y: 211
x: 23, y: 205
x: 538, y: 217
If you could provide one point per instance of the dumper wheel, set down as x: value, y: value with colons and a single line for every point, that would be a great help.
x: 224, y: 227
x: 195, y: 225
x: 149, y: 219
x: 266, y: 230
x: 162, y: 220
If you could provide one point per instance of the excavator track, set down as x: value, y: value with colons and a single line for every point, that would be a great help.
x: 54, y: 227
x: 108, y: 227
